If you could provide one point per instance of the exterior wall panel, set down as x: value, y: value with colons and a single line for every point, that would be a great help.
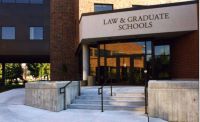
x: 23, y: 16
x: 185, y: 56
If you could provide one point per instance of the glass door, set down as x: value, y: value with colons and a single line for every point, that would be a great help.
x: 124, y: 69
x: 137, y: 70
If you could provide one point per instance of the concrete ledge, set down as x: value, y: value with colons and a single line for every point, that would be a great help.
x: 46, y: 95
x: 175, y: 101
x: 176, y: 84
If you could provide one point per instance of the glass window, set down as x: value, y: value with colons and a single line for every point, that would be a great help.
x: 162, y: 50
x: 148, y: 46
x: 36, y: 1
x: 162, y: 62
x: 8, y: 1
x: 8, y: 33
x: 36, y: 33
x: 22, y: 1
x: 103, y: 7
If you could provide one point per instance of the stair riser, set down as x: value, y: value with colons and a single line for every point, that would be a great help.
x: 129, y: 95
x: 108, y: 98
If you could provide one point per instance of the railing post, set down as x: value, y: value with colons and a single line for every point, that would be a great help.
x: 102, y: 99
x: 111, y: 94
x: 146, y: 94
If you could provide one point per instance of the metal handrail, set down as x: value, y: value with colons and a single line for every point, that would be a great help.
x: 63, y: 91
x: 101, y: 93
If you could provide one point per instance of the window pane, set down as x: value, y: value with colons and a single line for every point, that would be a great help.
x: 148, y: 44
x: 162, y: 62
x: 36, y: 1
x: 36, y: 33
x: 8, y: 1
x: 22, y: 1
x: 162, y: 50
x: 102, y: 7
x: 8, y: 32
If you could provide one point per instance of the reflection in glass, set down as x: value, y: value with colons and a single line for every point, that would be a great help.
x: 8, y: 32
x: 162, y: 62
x: 36, y: 33
x: 103, y: 7
x: 148, y: 44
x: 162, y: 50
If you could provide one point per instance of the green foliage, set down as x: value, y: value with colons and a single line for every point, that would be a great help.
x: 34, y: 69
x: 39, y: 69
x: 0, y: 71
x: 13, y: 71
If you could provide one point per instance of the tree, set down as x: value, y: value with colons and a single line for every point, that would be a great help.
x: 0, y: 72
x: 39, y: 70
x: 13, y: 71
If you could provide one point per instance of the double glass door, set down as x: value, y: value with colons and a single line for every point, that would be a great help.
x: 125, y: 70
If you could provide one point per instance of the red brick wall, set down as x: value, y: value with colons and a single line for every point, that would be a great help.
x: 64, y: 39
x: 185, y: 56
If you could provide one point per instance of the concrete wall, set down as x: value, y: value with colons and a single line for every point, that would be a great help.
x: 46, y: 95
x: 175, y: 101
x: 86, y: 6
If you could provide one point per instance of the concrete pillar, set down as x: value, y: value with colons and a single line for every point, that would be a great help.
x: 85, y: 61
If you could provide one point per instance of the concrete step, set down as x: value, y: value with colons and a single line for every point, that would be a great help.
x: 110, y: 102
x: 127, y: 94
x: 98, y: 97
x: 119, y: 95
x: 106, y: 107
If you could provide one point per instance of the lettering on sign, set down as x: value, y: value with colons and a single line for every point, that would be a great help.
x: 136, y: 22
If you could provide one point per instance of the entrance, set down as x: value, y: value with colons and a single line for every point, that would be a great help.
x: 121, y: 63
x: 126, y: 70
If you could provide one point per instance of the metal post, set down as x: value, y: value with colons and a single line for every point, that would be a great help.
x: 64, y: 98
x: 111, y: 94
x: 102, y: 99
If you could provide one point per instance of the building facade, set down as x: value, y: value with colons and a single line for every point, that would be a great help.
x: 164, y: 55
x: 52, y: 31
x: 24, y: 32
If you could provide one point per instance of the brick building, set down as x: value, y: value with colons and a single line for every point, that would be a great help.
x: 69, y: 37
x: 165, y: 54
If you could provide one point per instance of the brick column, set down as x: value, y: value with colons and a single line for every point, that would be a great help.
x: 64, y: 39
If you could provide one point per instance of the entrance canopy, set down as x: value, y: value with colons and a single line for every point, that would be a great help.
x: 151, y: 20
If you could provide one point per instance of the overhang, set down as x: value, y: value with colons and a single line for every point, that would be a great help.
x: 167, y: 20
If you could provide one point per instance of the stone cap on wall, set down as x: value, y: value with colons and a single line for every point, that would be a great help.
x: 49, y: 84
x: 173, y: 84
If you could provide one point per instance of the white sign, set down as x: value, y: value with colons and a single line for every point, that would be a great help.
x: 139, y: 22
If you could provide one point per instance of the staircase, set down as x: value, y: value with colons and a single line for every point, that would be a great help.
x: 124, y: 98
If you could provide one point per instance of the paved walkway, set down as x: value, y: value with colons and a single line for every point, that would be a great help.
x: 12, y: 109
